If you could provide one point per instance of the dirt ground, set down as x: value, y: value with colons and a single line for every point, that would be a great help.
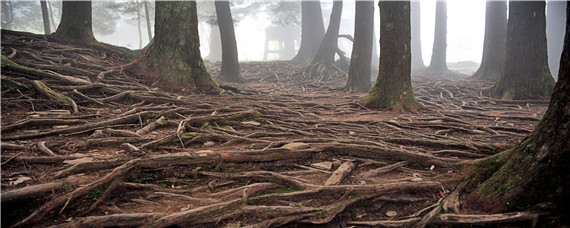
x: 268, y: 152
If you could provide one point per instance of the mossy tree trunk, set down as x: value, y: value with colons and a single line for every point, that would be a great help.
x: 526, y: 72
x: 534, y: 174
x: 312, y: 31
x: 494, y: 44
x: 360, y: 60
x: 322, y: 64
x: 417, y: 59
x: 230, y: 64
x: 173, y: 58
x: 555, y: 24
x: 438, y: 55
x: 45, y: 17
x: 76, y: 21
x: 393, y: 88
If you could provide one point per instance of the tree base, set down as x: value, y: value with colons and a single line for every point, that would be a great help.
x: 319, y: 72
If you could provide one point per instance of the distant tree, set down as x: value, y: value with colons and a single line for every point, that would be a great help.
x: 45, y: 16
x: 360, y: 61
x: 417, y: 59
x: 555, y: 24
x: 147, y: 17
x: 312, y: 30
x: 526, y: 72
x: 76, y: 21
x: 495, y: 40
x: 393, y: 88
x: 322, y: 64
x: 173, y: 58
x: 7, y: 15
x: 230, y: 65
x: 438, y: 55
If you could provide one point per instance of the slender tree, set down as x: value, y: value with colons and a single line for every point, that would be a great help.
x: 312, y: 30
x: 494, y: 44
x: 360, y: 61
x: 76, y: 21
x: 393, y: 88
x: 45, y: 17
x: 438, y: 54
x: 526, y: 72
x: 147, y: 17
x: 555, y: 23
x: 417, y: 59
x: 534, y: 174
x: 7, y: 15
x: 138, y: 7
x: 230, y: 64
x: 173, y: 58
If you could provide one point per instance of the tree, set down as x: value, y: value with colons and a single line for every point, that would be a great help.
x: 360, y: 61
x: 230, y: 64
x: 312, y: 31
x: 147, y: 17
x: 45, y: 16
x: 534, y: 174
x: 76, y: 21
x: 393, y: 88
x: 7, y: 15
x: 322, y: 64
x: 438, y: 54
x: 417, y: 60
x: 555, y: 33
x: 526, y: 73
x: 173, y: 58
x: 493, y: 60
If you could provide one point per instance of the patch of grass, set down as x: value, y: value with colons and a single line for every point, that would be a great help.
x: 95, y: 194
x: 67, y: 187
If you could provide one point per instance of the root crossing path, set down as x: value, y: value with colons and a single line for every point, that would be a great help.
x: 84, y: 144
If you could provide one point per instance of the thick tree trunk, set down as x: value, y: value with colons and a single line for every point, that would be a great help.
x: 76, y: 21
x: 555, y: 24
x: 438, y: 55
x: 393, y: 88
x: 45, y: 17
x: 230, y: 64
x: 526, y: 73
x: 312, y: 31
x: 173, y: 58
x: 360, y: 60
x: 147, y: 17
x: 534, y: 174
x: 417, y: 59
x: 494, y: 45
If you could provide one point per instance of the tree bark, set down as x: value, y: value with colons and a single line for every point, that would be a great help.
x: 555, y: 24
x: 76, y: 21
x: 312, y: 31
x: 147, y: 16
x: 173, y: 58
x: 45, y: 17
x: 494, y: 45
x: 417, y: 59
x: 393, y: 88
x: 360, y: 60
x: 438, y: 55
x: 215, y: 44
x: 534, y: 174
x: 230, y: 65
x: 526, y: 73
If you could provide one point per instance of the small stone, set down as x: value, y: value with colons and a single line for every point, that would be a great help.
x: 416, y: 179
x: 351, y: 132
x: 117, y: 111
x: 322, y: 165
x: 432, y: 167
x: 209, y: 143
x: 252, y: 123
x: 362, y: 182
x: 391, y: 213
x: 296, y: 146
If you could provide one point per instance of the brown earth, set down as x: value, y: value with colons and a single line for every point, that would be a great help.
x: 134, y: 154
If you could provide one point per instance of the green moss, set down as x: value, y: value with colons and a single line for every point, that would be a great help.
x: 95, y: 194
x: 67, y: 187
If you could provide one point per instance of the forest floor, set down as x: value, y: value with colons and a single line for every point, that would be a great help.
x: 270, y: 152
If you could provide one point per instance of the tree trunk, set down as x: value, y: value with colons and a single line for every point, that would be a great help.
x: 312, y: 31
x: 494, y: 46
x: 393, y: 88
x: 438, y: 61
x: 76, y: 21
x: 215, y: 44
x: 139, y: 23
x: 7, y: 15
x: 360, y: 60
x: 147, y: 16
x: 51, y: 14
x: 230, y: 64
x: 417, y: 59
x: 173, y: 58
x: 526, y: 73
x: 555, y: 24
x: 534, y: 174
x: 45, y: 17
